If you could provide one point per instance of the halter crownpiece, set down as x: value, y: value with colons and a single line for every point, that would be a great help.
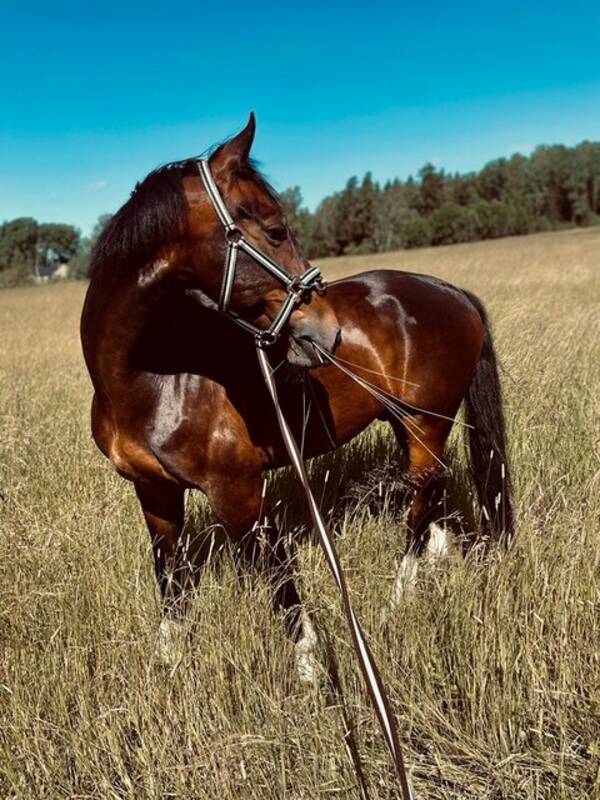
x: 298, y: 287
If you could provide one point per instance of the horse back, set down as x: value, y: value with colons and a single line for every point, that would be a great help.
x: 426, y: 332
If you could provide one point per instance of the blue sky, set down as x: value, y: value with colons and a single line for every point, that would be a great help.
x: 94, y: 95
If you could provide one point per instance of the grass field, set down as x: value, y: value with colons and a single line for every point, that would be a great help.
x: 493, y: 666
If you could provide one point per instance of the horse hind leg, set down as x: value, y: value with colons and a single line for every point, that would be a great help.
x: 426, y: 531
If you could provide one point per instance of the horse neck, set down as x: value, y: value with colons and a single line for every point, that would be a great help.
x: 114, y: 316
x: 119, y: 326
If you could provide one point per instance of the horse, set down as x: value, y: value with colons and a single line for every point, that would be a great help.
x: 168, y: 336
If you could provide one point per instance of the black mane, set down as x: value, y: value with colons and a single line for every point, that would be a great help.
x: 156, y: 213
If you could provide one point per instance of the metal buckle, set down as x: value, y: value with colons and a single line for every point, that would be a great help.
x: 233, y: 235
x: 320, y: 286
x: 266, y: 338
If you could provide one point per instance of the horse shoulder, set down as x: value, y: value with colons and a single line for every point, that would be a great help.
x: 126, y: 451
x: 196, y: 433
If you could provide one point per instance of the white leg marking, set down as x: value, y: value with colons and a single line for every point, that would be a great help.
x: 438, y: 545
x: 306, y: 662
x: 405, y: 580
x: 169, y: 645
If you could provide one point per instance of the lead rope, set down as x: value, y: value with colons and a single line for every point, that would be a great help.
x: 367, y: 664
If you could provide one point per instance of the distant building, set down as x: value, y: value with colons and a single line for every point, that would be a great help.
x: 51, y: 270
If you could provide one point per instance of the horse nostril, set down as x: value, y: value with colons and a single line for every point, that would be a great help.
x: 338, y: 339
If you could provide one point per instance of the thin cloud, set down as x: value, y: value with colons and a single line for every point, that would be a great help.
x: 522, y: 148
x: 95, y: 185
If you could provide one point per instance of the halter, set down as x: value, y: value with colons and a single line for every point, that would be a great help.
x: 298, y: 287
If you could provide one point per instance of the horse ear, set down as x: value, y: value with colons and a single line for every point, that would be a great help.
x: 234, y: 152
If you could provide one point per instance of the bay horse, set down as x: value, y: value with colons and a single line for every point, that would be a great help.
x: 178, y: 398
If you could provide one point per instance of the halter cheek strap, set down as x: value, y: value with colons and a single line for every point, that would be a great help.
x: 296, y: 286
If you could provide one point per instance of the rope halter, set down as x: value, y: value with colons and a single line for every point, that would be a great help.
x: 298, y: 287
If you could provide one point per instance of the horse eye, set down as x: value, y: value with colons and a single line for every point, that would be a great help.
x: 278, y: 233
x: 243, y: 213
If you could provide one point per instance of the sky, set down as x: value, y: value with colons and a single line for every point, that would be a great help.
x: 95, y: 95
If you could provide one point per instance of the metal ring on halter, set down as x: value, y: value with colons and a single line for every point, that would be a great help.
x: 266, y: 338
x: 298, y: 287
x: 233, y: 235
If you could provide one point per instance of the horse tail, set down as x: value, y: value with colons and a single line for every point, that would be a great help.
x: 487, y: 439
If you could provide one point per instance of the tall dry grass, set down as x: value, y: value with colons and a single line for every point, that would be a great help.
x: 493, y: 667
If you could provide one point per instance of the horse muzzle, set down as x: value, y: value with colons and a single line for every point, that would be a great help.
x: 309, y: 344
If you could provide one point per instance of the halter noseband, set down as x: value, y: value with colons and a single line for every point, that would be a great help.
x: 298, y: 287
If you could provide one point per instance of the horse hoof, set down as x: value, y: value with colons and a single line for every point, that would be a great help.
x: 307, y: 666
x: 170, y: 643
x: 405, y: 582
x: 438, y: 545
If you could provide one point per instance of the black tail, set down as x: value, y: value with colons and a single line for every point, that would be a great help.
x: 487, y: 440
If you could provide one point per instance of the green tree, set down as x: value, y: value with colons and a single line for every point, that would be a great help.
x: 463, y: 189
x: 79, y: 266
x: 323, y: 240
x: 364, y: 239
x: 431, y: 190
x: 551, y: 169
x: 101, y: 223
x: 452, y: 223
x: 18, y: 242
x: 416, y: 232
x: 492, y: 219
x: 391, y: 210
x: 346, y: 222
x: 299, y: 218
x: 492, y: 180
x: 57, y: 242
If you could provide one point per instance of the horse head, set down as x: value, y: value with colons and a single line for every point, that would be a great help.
x: 256, y: 295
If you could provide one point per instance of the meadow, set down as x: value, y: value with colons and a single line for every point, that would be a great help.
x: 493, y: 666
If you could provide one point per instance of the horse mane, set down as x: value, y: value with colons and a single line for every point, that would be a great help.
x: 156, y: 213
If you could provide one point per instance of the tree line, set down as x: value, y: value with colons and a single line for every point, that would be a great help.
x: 556, y: 186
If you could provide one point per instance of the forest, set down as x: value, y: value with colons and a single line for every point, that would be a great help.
x: 556, y: 186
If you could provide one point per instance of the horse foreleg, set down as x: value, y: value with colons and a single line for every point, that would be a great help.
x: 247, y: 519
x: 163, y: 508
x: 286, y: 599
